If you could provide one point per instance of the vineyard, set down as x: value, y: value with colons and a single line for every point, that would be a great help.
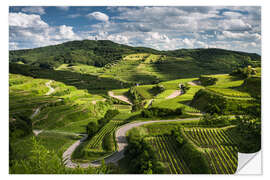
x: 167, y: 153
x: 230, y: 93
x: 108, y: 129
x: 219, y: 146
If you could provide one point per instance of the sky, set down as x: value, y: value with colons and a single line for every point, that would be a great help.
x: 163, y: 28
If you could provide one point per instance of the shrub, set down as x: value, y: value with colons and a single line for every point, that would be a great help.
x: 214, y: 120
x: 244, y: 72
x: 213, y: 103
x: 157, y: 89
x: 207, y: 80
x: 142, y: 158
x: 249, y: 130
x: 21, y: 126
x: 117, y: 101
x: 44, y: 161
x: 160, y: 112
x: 108, y: 116
x: 197, y: 162
x: 107, y: 142
x: 92, y: 128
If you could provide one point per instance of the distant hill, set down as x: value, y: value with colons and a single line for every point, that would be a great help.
x: 90, y: 52
x: 133, y: 64
x: 102, y: 52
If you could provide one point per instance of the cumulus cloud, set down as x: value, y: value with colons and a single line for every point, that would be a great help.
x: 98, y: 16
x: 29, y: 30
x: 26, y: 20
x: 34, y: 10
x: 164, y: 28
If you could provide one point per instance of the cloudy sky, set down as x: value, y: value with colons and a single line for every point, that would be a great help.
x: 163, y: 28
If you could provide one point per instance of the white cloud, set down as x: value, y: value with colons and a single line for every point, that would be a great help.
x: 13, y: 45
x: 239, y: 35
x: 34, y: 10
x: 26, y: 20
x: 234, y: 25
x: 163, y: 28
x: 98, y: 16
x: 66, y: 32
x: 232, y: 15
x: 189, y: 42
x: 31, y: 31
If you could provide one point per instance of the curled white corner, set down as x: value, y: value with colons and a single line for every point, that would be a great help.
x: 249, y: 163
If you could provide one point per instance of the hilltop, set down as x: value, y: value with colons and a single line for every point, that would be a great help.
x: 103, y: 52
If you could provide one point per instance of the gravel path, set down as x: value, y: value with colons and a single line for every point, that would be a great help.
x: 51, y: 89
x: 120, y: 97
x: 121, y: 141
x: 36, y: 132
x: 174, y: 94
x: 35, y: 113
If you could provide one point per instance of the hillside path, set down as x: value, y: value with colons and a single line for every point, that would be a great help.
x: 51, y: 89
x: 120, y: 97
x: 120, y: 137
x: 174, y: 94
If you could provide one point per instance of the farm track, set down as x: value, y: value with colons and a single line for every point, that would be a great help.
x: 120, y: 97
x: 120, y: 137
x: 174, y: 94
x: 51, y: 90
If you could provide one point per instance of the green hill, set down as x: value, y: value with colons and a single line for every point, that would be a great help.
x: 96, y: 53
x: 141, y: 64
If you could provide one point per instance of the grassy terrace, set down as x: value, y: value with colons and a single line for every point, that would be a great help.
x: 228, y: 86
x: 179, y: 101
x: 61, y: 114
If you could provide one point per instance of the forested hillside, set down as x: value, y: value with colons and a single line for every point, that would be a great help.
x: 100, y: 53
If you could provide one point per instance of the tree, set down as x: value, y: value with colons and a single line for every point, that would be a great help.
x: 44, y: 161
x: 91, y: 128
x: 142, y: 158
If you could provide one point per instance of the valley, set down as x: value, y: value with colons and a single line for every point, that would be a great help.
x: 97, y: 107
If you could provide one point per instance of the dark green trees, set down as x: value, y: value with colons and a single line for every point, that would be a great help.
x: 93, y: 127
x: 142, y: 158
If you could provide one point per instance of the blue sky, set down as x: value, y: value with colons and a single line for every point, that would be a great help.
x: 163, y: 28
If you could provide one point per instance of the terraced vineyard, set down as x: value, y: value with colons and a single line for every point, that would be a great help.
x: 219, y: 147
x: 108, y: 129
x: 66, y: 109
x: 166, y: 148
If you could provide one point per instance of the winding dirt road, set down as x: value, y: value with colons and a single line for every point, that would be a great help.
x: 120, y: 97
x: 174, y: 94
x: 51, y: 90
x: 120, y: 137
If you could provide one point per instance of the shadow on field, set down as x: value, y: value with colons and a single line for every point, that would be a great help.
x: 94, y: 84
